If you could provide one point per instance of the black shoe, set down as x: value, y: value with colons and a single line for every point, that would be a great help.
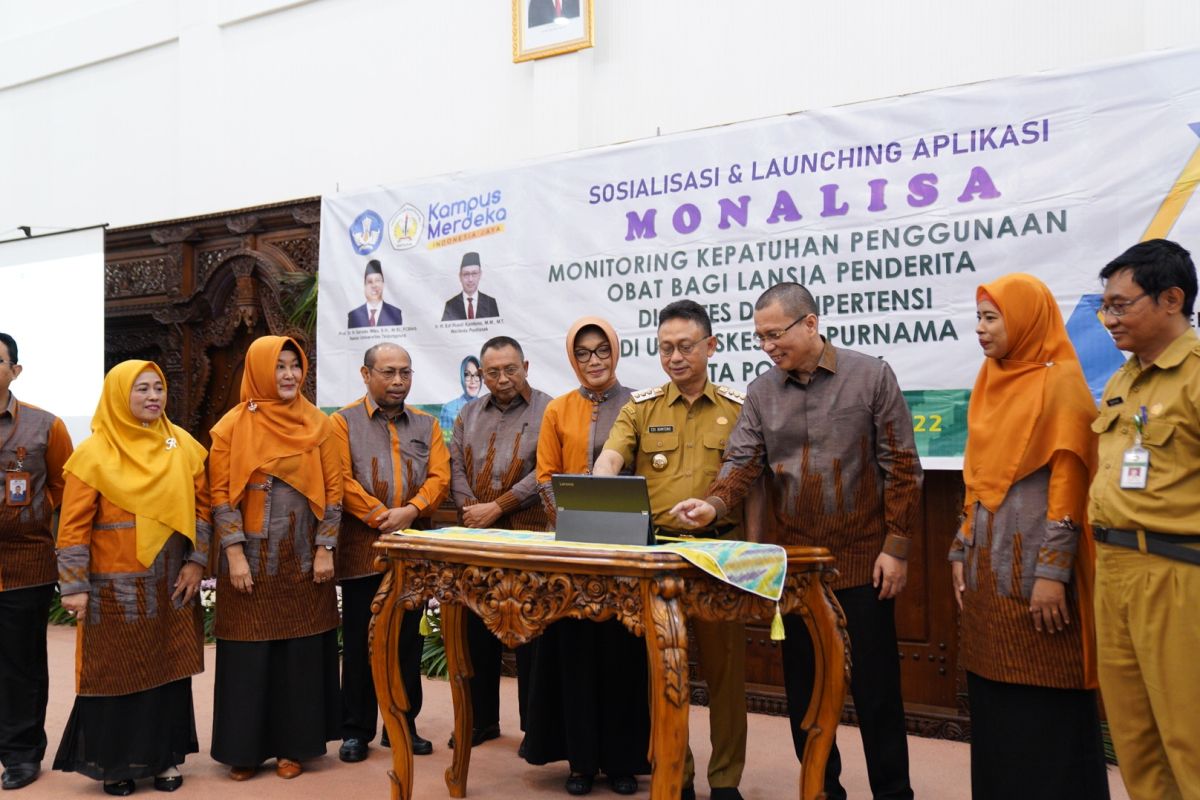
x: 384, y: 741
x: 521, y: 748
x: 352, y: 751
x: 687, y: 793
x: 725, y: 793
x: 421, y: 747
x: 120, y: 788
x: 579, y: 784
x: 480, y: 735
x: 168, y: 784
x: 622, y: 784
x: 18, y: 776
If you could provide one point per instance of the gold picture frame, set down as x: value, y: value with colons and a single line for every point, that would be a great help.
x: 544, y: 28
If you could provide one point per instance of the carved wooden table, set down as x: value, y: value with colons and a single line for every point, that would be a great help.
x: 519, y: 590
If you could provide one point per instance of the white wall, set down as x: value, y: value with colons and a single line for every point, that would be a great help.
x: 129, y: 111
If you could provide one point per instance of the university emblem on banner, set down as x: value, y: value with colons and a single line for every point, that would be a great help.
x: 366, y: 232
x: 404, y: 231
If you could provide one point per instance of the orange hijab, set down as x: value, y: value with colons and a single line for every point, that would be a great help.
x: 1030, y: 404
x: 613, y: 342
x: 1027, y: 406
x: 264, y: 432
x: 148, y: 469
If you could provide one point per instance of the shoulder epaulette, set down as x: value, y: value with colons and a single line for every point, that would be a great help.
x: 642, y: 395
x: 732, y: 394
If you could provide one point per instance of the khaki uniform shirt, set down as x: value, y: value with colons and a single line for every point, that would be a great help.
x: 1170, y: 391
x: 676, y: 447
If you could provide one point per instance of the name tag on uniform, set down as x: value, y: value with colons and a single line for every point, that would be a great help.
x: 1135, y: 468
x: 661, y: 428
x: 16, y: 488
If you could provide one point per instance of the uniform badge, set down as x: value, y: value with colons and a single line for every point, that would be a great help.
x: 732, y: 394
x: 659, y: 462
x: 642, y: 395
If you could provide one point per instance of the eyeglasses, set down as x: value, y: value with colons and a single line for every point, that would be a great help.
x: 1120, y: 309
x: 511, y: 371
x: 469, y: 375
x: 773, y: 336
x: 584, y: 355
x: 684, y: 348
x: 392, y: 374
x: 10, y: 363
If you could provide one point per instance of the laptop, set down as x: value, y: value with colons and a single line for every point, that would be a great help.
x: 602, y: 509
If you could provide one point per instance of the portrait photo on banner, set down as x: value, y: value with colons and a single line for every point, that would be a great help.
x: 543, y: 28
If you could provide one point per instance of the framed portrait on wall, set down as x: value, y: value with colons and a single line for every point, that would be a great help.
x: 543, y: 28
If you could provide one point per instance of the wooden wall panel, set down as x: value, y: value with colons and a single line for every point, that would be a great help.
x: 191, y: 294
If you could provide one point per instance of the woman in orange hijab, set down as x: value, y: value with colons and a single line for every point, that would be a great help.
x: 132, y: 542
x: 1023, y: 559
x: 588, y: 683
x: 277, y: 494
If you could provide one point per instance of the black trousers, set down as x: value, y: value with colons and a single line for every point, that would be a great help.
x: 486, y: 651
x: 874, y: 684
x: 24, y: 676
x: 360, y: 710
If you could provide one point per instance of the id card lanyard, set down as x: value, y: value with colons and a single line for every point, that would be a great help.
x: 17, y: 482
x: 1135, y: 464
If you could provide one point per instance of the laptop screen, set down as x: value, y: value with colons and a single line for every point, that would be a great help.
x: 602, y: 509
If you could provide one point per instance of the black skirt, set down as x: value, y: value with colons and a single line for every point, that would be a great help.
x: 588, y: 700
x: 129, y: 736
x: 1035, y: 743
x: 275, y: 699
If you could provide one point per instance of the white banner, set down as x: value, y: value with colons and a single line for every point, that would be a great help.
x: 52, y: 304
x: 891, y: 212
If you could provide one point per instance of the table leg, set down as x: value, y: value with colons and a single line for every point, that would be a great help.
x: 385, y: 671
x: 831, y: 676
x: 666, y: 649
x: 458, y: 662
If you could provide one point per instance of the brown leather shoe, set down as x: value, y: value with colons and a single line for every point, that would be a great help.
x: 287, y: 769
x: 242, y: 773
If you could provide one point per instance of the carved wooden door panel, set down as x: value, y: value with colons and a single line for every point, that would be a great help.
x: 192, y: 294
x: 927, y: 617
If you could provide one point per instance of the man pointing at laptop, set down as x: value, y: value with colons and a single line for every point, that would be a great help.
x: 674, y: 436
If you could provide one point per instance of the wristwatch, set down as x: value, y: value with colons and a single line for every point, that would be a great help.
x: 328, y: 547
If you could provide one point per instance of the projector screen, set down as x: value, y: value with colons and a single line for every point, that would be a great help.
x: 52, y: 304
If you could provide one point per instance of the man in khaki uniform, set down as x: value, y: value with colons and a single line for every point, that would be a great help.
x: 1145, y: 513
x: 674, y: 436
